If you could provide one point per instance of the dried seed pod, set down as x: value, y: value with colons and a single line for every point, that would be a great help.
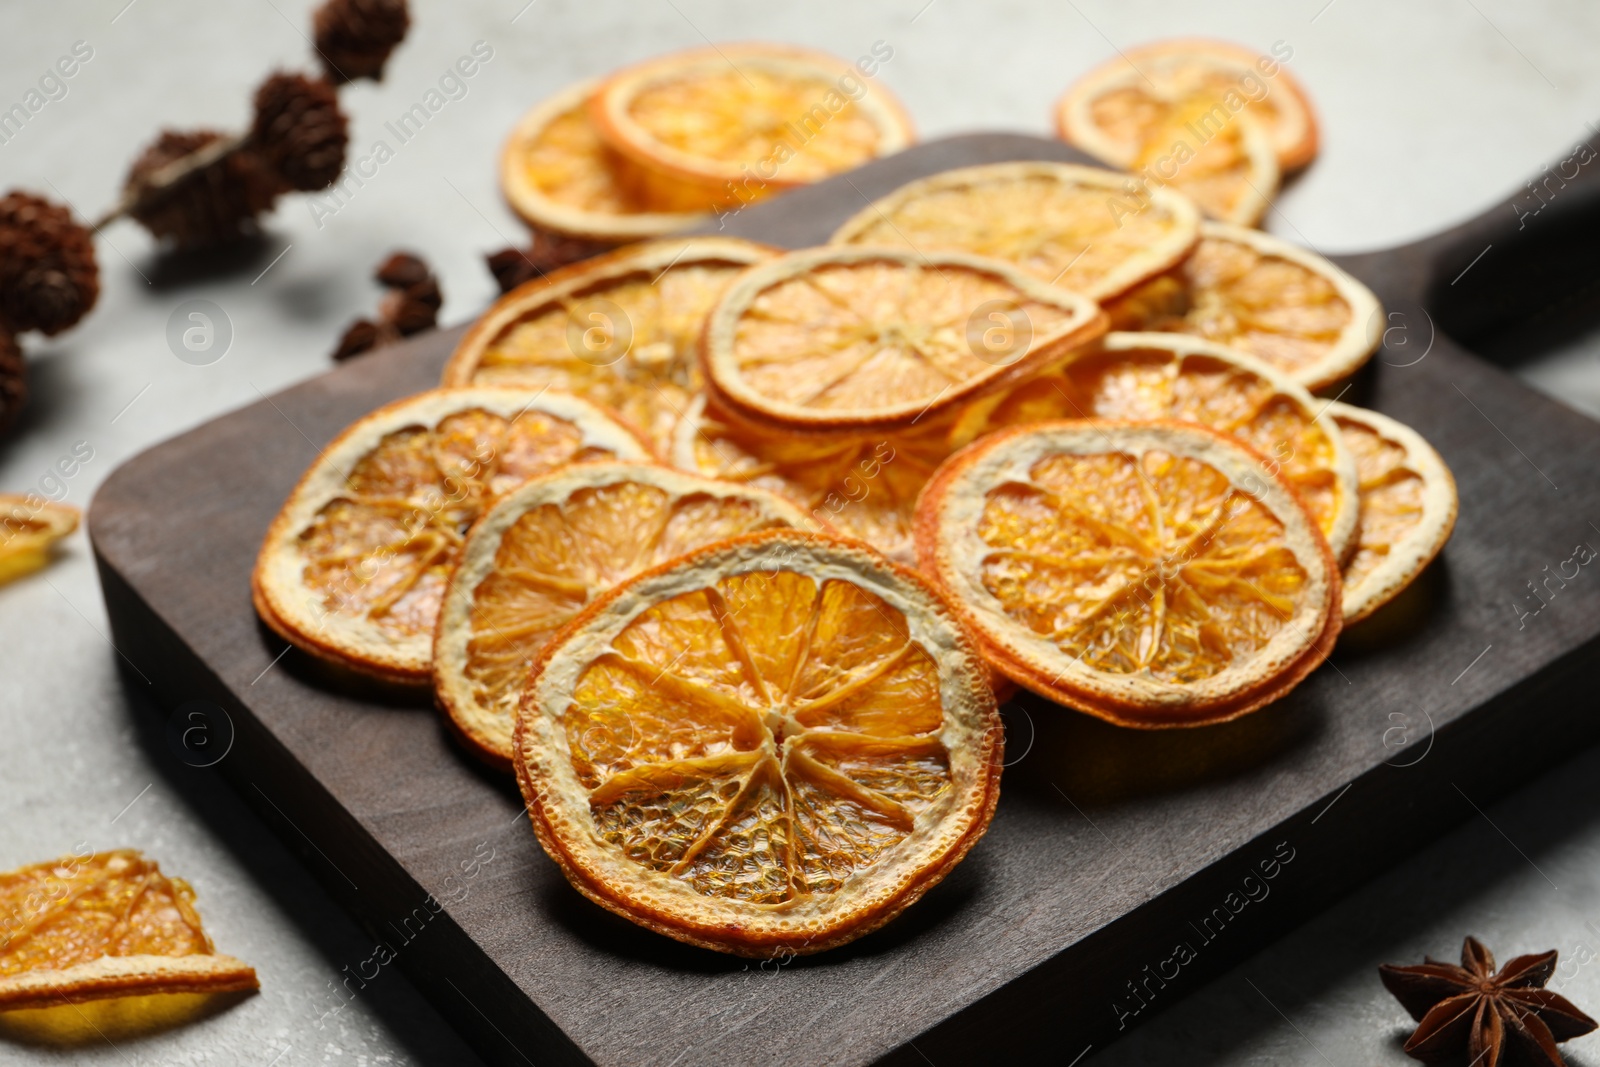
x: 354, y: 37
x: 13, y: 379
x: 299, y: 131
x: 401, y: 270
x: 411, y: 306
x: 210, y: 205
x: 546, y: 252
x: 362, y: 335
x: 49, y: 278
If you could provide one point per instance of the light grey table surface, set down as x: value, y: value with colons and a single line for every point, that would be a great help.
x: 1430, y: 112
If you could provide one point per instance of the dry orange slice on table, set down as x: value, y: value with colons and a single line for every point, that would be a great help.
x: 773, y: 745
x: 619, y: 329
x: 549, y: 547
x: 1153, y: 574
x: 355, y: 564
x: 1408, y: 508
x: 1230, y: 172
x: 1082, y: 228
x: 108, y: 924
x: 1173, y: 376
x: 1112, y: 111
x: 559, y: 175
x: 849, y: 338
x: 731, y: 124
x: 29, y: 526
x: 1265, y: 297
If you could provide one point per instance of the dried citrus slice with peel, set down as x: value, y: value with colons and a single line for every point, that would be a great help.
x: 1265, y: 297
x: 732, y: 124
x: 29, y: 526
x: 548, y: 548
x: 559, y: 175
x: 867, y: 338
x: 1230, y: 171
x: 865, y: 485
x: 1173, y: 376
x: 620, y: 329
x: 1083, y: 228
x: 770, y: 746
x: 108, y: 924
x: 1408, y: 508
x: 355, y: 564
x: 1154, y: 574
x: 1112, y: 111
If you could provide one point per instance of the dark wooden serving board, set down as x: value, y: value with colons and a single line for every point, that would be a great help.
x: 1110, y: 849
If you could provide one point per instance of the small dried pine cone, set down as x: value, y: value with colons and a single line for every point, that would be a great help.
x: 13, y: 378
x: 49, y: 278
x: 299, y: 131
x: 354, y: 37
x: 213, y: 205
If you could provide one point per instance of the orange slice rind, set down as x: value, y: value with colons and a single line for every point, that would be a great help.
x: 549, y: 547
x: 1408, y: 508
x: 848, y: 338
x: 29, y: 526
x: 354, y: 566
x: 1153, y: 574
x: 769, y: 747
x: 105, y: 925
x: 1083, y: 228
x: 620, y: 329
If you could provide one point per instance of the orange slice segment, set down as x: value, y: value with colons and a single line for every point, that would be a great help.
x: 864, y: 339
x: 108, y: 924
x: 1172, y: 376
x: 771, y: 746
x: 559, y: 175
x: 1408, y: 508
x: 732, y: 124
x: 1265, y: 297
x: 355, y: 564
x: 1153, y: 574
x: 619, y: 329
x: 1112, y: 111
x: 1226, y: 164
x: 1083, y: 228
x: 29, y: 526
x: 547, y: 549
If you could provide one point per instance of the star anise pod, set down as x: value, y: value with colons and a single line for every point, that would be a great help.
x: 1484, y: 1016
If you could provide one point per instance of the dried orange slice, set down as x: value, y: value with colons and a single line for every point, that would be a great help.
x: 1230, y: 172
x: 109, y: 924
x: 559, y: 175
x: 868, y: 338
x: 1408, y: 508
x: 1172, y: 376
x: 1083, y: 228
x: 29, y: 526
x: 732, y: 124
x: 353, y: 568
x: 1153, y: 574
x: 1265, y: 297
x: 863, y: 485
x: 619, y: 329
x: 548, y: 548
x: 771, y: 746
x: 1112, y: 111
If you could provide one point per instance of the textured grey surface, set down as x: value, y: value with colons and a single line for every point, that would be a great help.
x: 1430, y: 111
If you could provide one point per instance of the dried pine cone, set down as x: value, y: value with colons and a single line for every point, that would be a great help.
x: 411, y: 306
x: 547, y: 251
x: 13, y: 379
x: 354, y: 37
x: 213, y: 205
x: 299, y: 131
x: 48, y: 275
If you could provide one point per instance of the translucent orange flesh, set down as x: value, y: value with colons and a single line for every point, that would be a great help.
x: 1199, y: 148
x: 385, y: 549
x: 1152, y: 384
x: 1129, y: 564
x: 1259, y: 303
x: 76, y: 910
x: 754, y: 117
x: 850, y: 337
x: 568, y: 162
x: 627, y: 344
x: 1069, y: 235
x: 555, y: 558
x: 1391, y: 498
x: 1131, y: 111
x: 763, y: 738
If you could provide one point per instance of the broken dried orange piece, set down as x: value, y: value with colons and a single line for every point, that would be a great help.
x: 109, y: 924
x: 355, y: 564
x: 29, y: 526
x: 771, y: 746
